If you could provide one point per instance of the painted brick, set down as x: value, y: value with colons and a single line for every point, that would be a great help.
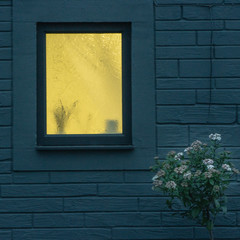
x: 126, y: 190
x: 5, y: 167
x: 152, y: 233
x: 58, y: 220
x: 5, y: 178
x: 5, y: 137
x: 168, y: 219
x: 182, y: 52
x: 5, y: 69
x: 5, y: 99
x: 218, y: 12
x: 219, y: 38
x: 5, y: 85
x: 5, y: 39
x: 196, y: 12
x: 138, y: 176
x: 28, y: 205
x: 168, y: 12
x: 173, y: 135
x: 232, y: 24
x: 219, y: 96
x: 15, y: 220
x: 228, y: 219
x: 122, y: 219
x: 5, y: 14
x: 226, y: 12
x: 178, y: 38
x: 227, y: 52
x: 5, y: 53
x: 106, y: 204
x: 176, y: 97
x: 5, y: 235
x: 228, y: 83
x: 232, y: 1
x: 160, y: 2
x: 230, y: 134
x: 233, y: 189
x: 157, y: 204
x: 189, y: 25
x: 182, y: 83
x: 6, y: 2
x: 87, y: 177
x: 196, y: 114
x: 62, y: 234
x: 238, y: 219
x: 226, y: 68
x: 48, y: 190
x: 5, y: 116
x: 194, y: 68
x: 30, y: 177
x: 166, y: 68
x: 5, y: 154
x: 5, y: 26
x: 219, y: 233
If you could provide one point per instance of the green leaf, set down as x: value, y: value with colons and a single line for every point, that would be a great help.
x: 224, y: 209
x: 211, y: 181
x: 169, y: 203
x: 195, y: 212
x: 217, y: 204
x: 209, y: 225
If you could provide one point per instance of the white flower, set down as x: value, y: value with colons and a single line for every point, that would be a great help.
x: 160, y: 173
x: 198, y: 173
x: 188, y: 150
x: 197, y: 145
x: 208, y: 161
x: 178, y: 156
x: 155, y: 178
x: 187, y: 175
x: 207, y: 174
x: 210, y: 166
x: 171, y: 185
x: 215, y: 137
x: 157, y: 183
x: 226, y: 167
x: 180, y: 169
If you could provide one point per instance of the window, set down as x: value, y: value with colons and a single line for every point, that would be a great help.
x: 84, y: 84
x: 126, y: 139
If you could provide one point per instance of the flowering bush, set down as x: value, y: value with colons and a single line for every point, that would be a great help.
x: 198, y: 181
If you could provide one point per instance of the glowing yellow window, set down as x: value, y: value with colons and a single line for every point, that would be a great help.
x: 84, y: 83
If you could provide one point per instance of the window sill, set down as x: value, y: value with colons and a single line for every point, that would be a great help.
x: 64, y: 148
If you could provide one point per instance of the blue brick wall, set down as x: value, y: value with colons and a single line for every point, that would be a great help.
x: 94, y: 205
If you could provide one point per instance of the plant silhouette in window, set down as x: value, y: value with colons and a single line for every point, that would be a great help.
x: 62, y: 114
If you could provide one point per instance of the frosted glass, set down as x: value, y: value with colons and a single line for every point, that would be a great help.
x: 84, y: 83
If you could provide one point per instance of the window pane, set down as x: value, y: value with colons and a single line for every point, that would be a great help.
x: 84, y: 83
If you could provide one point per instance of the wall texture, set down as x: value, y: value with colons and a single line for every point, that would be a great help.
x: 94, y: 205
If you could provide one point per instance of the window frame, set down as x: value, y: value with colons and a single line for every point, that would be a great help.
x: 83, y: 140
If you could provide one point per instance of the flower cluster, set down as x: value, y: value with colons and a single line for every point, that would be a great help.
x: 198, y: 181
x: 215, y: 137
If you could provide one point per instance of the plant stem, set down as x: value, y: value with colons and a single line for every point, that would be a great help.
x: 211, y: 235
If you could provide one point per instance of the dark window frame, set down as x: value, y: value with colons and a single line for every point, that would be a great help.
x: 83, y: 140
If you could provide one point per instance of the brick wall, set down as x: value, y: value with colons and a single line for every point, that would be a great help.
x: 94, y: 205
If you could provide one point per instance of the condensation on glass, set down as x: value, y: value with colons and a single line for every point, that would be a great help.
x: 84, y: 83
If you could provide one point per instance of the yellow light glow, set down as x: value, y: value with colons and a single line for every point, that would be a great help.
x: 84, y: 83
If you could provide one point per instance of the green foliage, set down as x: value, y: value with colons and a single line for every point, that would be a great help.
x: 198, y: 178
